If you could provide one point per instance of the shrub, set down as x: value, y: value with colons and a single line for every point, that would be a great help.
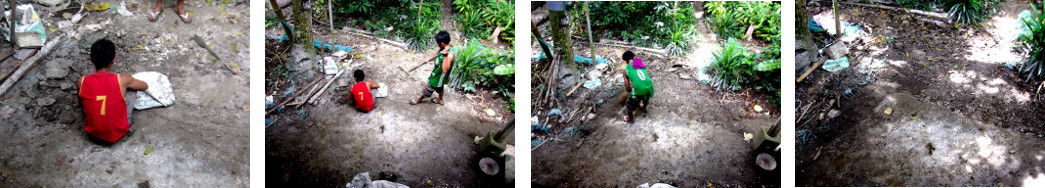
x: 733, y: 67
x: 476, y: 66
x: 478, y: 18
x: 730, y: 66
x: 1034, y: 64
x: 732, y: 19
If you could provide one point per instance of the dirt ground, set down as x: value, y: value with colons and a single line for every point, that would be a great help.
x: 199, y: 141
x: 692, y: 134
x: 960, y: 101
x: 424, y: 145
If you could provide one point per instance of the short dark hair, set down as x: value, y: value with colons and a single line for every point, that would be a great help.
x: 102, y: 53
x: 442, y: 37
x: 359, y: 75
x: 628, y: 56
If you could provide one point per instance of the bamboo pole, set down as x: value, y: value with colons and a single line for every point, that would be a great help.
x: 15, y: 76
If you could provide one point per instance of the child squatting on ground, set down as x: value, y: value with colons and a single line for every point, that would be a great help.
x: 361, y: 92
x: 638, y: 83
x: 440, y: 74
x: 107, y: 104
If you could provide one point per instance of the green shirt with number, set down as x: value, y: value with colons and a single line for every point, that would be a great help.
x: 641, y: 84
x: 438, y: 79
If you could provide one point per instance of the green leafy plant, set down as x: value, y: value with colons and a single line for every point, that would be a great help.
x: 966, y: 12
x: 1034, y: 64
x: 732, y: 19
x: 477, y: 66
x: 730, y: 66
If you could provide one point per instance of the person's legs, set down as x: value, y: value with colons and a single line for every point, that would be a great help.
x: 182, y: 13
x: 424, y: 94
x: 632, y: 103
x: 440, y: 90
x: 155, y: 14
x: 130, y: 97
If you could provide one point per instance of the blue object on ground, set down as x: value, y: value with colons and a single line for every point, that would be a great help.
x: 582, y: 59
x: 555, y: 112
x: 534, y: 143
x: 813, y: 26
x: 836, y: 64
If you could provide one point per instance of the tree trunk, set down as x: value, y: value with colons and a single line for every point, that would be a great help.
x: 838, y: 25
x: 303, y: 22
x: 591, y: 40
x: 805, y: 48
x: 560, y: 34
x: 282, y: 18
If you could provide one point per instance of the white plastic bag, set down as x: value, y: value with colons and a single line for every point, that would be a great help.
x: 159, y: 94
x: 29, y: 26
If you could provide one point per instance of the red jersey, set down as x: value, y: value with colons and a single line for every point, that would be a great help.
x: 361, y: 94
x: 104, y: 105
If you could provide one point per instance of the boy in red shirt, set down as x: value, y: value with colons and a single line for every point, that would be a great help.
x: 106, y: 102
x: 361, y: 92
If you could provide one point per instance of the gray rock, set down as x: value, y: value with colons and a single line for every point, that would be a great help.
x: 836, y: 50
x: 6, y: 112
x: 49, y: 2
x: 65, y: 85
x: 56, y: 69
x: 22, y: 54
x: 69, y: 116
x: 46, y: 101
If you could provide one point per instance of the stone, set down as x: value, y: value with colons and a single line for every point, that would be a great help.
x: 45, y: 101
x: 69, y: 116
x: 49, y: 2
x: 22, y: 54
x: 836, y: 50
x: 685, y: 76
x: 6, y: 112
x: 490, y: 112
x: 833, y: 113
x: 56, y: 69
x: 65, y: 85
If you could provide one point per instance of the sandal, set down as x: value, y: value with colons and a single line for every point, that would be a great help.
x: 629, y: 119
x: 185, y: 17
x: 437, y: 101
x: 153, y: 16
x: 415, y: 102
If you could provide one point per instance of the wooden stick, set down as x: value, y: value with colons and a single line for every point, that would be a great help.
x: 937, y: 15
x: 32, y: 61
x: 811, y: 69
x: 199, y: 41
x: 650, y: 50
x: 288, y: 99
x: 324, y: 88
x: 574, y: 89
x: 5, y: 55
x: 17, y: 66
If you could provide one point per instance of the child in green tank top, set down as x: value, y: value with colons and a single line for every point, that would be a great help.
x: 441, y: 73
x: 638, y: 84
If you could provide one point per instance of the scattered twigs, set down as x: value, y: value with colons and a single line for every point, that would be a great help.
x: 811, y: 69
x: 290, y: 98
x: 10, y: 81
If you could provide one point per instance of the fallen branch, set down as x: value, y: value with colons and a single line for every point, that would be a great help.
x: 379, y: 39
x: 288, y: 99
x: 324, y: 88
x: 657, y: 52
x: 16, y: 66
x: 17, y: 74
x: 811, y: 69
x: 199, y: 41
x: 937, y: 15
x: 574, y: 89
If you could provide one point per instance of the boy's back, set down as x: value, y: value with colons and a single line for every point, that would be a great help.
x: 104, y: 105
